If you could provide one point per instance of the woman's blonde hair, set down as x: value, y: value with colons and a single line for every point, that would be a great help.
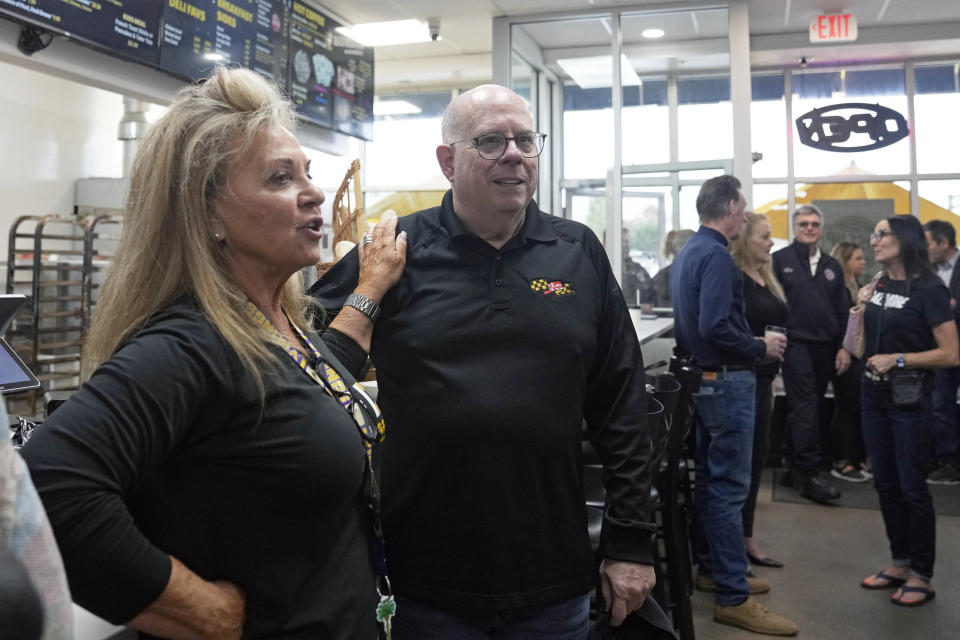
x: 843, y: 251
x: 167, y: 249
x: 738, y: 249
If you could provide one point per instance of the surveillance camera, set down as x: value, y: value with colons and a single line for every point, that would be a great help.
x: 433, y: 25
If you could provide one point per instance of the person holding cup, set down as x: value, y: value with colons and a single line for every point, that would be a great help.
x: 766, y: 311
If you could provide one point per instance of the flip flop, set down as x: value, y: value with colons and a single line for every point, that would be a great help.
x: 928, y: 595
x: 891, y: 581
x: 765, y: 561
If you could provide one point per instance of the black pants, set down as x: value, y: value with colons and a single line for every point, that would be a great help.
x: 847, y: 437
x: 761, y: 446
x: 807, y: 369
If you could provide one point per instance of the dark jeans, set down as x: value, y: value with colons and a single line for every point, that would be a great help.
x: 761, y: 445
x: 807, y: 368
x: 567, y: 620
x: 725, y: 414
x: 894, y: 439
x: 847, y: 436
x: 943, y: 425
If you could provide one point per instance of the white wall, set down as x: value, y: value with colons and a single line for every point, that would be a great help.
x: 52, y: 132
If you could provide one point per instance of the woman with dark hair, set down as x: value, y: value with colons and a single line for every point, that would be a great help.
x: 848, y: 442
x: 908, y: 326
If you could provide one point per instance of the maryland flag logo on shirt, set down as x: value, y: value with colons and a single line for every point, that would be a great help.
x: 556, y: 287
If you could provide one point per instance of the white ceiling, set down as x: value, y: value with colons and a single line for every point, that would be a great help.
x: 888, y: 29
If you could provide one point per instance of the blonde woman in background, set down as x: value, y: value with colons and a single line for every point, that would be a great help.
x: 765, y: 305
x: 671, y: 247
x: 850, y: 464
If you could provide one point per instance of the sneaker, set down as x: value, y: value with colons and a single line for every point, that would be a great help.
x: 849, y: 473
x: 816, y: 488
x: 753, y: 616
x: 946, y: 474
x: 708, y: 584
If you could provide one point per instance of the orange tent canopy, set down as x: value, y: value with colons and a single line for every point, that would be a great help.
x: 776, y: 210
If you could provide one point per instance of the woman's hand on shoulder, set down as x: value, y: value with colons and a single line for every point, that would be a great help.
x: 382, y: 260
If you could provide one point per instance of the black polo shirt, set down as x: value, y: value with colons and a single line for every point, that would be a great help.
x: 487, y: 362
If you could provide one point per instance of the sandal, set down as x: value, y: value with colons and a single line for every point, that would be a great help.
x: 891, y: 582
x: 928, y: 595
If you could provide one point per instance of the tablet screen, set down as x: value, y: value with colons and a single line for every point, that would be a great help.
x: 14, y: 374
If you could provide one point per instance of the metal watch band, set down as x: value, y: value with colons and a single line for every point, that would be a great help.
x: 364, y: 305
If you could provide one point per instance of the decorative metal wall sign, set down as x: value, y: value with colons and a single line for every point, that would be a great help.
x: 872, y: 126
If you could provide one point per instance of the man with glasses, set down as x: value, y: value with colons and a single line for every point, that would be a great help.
x: 813, y: 284
x: 506, y: 332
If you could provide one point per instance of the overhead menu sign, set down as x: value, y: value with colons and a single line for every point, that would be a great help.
x: 125, y: 27
x: 331, y: 76
x: 200, y: 34
x: 328, y: 76
x: 353, y: 93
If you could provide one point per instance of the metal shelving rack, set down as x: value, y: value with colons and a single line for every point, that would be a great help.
x: 57, y: 262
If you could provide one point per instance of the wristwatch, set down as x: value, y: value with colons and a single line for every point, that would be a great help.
x: 364, y: 305
x: 901, y: 363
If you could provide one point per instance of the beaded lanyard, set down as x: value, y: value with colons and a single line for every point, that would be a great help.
x: 356, y: 402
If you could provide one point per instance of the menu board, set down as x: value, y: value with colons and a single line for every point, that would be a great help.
x: 201, y: 34
x: 328, y: 75
x: 353, y: 93
x: 331, y: 76
x: 124, y: 27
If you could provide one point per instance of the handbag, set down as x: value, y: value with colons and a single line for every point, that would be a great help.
x: 907, y: 386
x: 853, y: 338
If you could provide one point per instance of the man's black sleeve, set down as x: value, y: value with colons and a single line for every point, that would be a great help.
x: 616, y: 415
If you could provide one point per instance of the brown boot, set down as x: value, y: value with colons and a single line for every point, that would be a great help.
x: 752, y: 616
x: 708, y: 584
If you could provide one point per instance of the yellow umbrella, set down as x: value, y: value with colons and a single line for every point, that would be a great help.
x: 776, y: 210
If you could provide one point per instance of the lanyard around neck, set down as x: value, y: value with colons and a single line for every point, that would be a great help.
x: 354, y: 399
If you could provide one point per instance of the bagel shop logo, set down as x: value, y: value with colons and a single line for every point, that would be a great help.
x: 851, y: 126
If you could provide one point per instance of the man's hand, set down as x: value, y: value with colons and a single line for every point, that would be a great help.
x: 842, y: 362
x: 625, y: 585
x: 776, y: 344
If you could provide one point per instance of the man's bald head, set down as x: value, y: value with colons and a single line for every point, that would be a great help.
x: 457, y: 119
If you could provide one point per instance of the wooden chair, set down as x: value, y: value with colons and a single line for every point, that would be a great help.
x: 348, y: 221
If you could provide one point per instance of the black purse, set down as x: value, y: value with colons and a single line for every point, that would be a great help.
x: 907, y: 386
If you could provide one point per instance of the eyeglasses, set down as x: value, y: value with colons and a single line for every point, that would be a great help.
x: 880, y: 235
x: 492, y: 146
x: 809, y: 223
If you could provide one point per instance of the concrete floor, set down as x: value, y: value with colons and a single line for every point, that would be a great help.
x: 827, y: 551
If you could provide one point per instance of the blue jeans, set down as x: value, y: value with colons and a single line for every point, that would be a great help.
x: 567, y: 620
x: 725, y: 421
x: 943, y: 427
x: 894, y: 439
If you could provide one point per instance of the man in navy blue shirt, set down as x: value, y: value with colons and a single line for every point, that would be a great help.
x: 711, y: 326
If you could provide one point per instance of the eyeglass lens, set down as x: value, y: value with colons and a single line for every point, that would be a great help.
x: 808, y: 223
x: 493, y: 145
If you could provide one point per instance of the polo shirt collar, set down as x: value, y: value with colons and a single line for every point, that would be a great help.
x: 535, y: 224
x: 719, y: 237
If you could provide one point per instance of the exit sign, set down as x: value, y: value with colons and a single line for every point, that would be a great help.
x: 833, y: 27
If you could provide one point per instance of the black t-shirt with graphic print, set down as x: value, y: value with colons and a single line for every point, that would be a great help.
x: 905, y: 320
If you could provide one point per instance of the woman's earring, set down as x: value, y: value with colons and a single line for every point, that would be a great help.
x: 217, y: 237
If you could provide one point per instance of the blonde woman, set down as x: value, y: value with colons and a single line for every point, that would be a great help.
x: 848, y: 441
x: 210, y: 480
x: 765, y: 305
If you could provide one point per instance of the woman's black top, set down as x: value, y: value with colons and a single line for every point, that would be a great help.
x: 170, y: 449
x: 905, y: 319
x: 763, y: 308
